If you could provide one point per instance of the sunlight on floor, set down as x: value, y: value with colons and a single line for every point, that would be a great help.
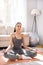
x: 40, y: 57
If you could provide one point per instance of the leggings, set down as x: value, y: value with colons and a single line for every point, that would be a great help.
x: 13, y: 55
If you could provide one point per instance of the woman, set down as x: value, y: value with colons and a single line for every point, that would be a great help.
x: 15, y: 51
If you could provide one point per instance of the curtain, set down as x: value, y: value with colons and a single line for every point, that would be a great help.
x: 13, y: 11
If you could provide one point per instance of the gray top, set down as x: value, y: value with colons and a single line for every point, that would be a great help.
x: 17, y: 42
x: 17, y: 45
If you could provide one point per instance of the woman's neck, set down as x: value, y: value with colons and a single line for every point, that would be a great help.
x: 18, y: 33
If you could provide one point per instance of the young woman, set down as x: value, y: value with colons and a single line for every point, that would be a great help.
x: 15, y: 50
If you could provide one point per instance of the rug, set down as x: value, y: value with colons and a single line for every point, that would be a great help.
x: 38, y: 60
x: 29, y: 63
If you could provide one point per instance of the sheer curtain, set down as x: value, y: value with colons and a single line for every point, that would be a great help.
x: 14, y: 11
x: 18, y: 12
x: 2, y: 13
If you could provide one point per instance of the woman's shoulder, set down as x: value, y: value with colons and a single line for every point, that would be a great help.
x: 12, y: 34
x: 24, y: 35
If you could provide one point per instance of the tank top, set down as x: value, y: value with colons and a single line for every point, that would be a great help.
x: 17, y: 45
x: 17, y: 42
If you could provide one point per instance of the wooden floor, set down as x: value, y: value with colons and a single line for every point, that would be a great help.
x: 2, y: 62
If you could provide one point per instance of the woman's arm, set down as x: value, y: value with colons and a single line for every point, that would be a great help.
x: 25, y: 45
x: 10, y: 45
x: 25, y: 41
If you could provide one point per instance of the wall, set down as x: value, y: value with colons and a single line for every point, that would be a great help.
x: 39, y: 5
x: 40, y: 20
x: 31, y: 4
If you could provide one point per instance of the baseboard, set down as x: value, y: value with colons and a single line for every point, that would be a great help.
x: 2, y: 48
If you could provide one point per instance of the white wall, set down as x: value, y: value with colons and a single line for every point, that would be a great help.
x: 31, y: 4
x: 39, y: 5
x: 40, y: 20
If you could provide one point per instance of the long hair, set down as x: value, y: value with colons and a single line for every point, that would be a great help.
x: 15, y: 26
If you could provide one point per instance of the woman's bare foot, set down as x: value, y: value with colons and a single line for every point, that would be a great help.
x: 3, y: 51
x: 25, y: 57
x: 5, y: 59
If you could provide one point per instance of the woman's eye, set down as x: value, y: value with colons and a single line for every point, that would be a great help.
x: 19, y: 26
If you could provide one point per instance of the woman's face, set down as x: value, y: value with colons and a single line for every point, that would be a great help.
x: 18, y: 27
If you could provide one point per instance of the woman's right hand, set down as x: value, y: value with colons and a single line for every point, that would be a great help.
x: 4, y: 51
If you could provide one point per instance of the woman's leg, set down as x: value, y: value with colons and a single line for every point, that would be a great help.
x: 11, y: 55
x: 30, y: 53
